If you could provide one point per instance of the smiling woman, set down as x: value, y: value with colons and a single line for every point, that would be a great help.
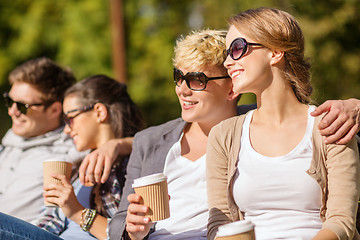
x: 96, y: 110
x: 253, y: 159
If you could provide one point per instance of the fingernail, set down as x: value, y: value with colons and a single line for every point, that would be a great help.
x: 326, y: 141
x: 142, y: 228
x: 146, y: 220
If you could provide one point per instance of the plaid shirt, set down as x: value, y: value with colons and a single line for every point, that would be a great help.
x: 53, y: 219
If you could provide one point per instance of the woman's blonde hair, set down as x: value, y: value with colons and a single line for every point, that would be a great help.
x: 276, y: 29
x: 200, y: 49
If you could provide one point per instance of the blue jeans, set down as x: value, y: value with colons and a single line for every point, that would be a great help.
x: 14, y: 228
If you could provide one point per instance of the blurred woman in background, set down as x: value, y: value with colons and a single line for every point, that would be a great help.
x: 96, y: 110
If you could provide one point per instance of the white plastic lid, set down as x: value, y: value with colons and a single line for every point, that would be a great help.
x: 57, y: 159
x: 150, y: 179
x: 234, y: 228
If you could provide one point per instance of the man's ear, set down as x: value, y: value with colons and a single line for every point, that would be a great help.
x: 232, y: 95
x: 101, y: 112
x: 55, y: 109
x: 276, y: 56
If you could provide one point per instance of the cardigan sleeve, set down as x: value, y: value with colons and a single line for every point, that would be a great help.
x: 217, y: 181
x: 342, y: 164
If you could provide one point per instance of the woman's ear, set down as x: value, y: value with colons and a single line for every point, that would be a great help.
x: 276, y: 56
x: 101, y: 112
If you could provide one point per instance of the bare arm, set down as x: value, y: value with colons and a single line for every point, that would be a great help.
x: 96, y: 166
x: 63, y: 195
x: 341, y: 122
x: 325, y: 234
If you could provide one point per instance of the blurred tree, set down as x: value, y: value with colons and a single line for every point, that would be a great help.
x: 73, y: 33
x: 77, y: 34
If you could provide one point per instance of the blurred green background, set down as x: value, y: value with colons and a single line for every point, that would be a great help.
x: 77, y: 34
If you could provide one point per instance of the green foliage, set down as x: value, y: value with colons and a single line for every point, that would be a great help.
x: 77, y: 34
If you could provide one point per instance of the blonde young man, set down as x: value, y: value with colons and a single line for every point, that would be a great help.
x: 178, y: 147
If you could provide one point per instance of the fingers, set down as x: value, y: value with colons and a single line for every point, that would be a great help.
x: 325, y: 107
x: 329, y: 119
x: 82, y: 170
x: 90, y: 171
x: 350, y: 134
x: 332, y: 122
x: 337, y: 130
x: 99, y: 168
x: 137, y: 225
x: 95, y: 168
x: 106, y: 172
x: 62, y: 178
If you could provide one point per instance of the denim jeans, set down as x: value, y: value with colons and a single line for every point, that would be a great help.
x: 14, y: 228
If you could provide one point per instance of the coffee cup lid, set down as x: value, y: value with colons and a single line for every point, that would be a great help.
x: 57, y: 159
x: 150, y: 179
x: 235, y: 228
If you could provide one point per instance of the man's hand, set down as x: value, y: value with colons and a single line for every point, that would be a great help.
x: 96, y: 166
x: 341, y: 122
x: 137, y: 225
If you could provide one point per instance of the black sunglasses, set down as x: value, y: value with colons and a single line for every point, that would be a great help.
x: 22, y: 107
x: 238, y: 48
x: 70, y: 120
x: 196, y: 81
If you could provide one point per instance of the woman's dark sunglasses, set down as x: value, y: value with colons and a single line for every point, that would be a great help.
x: 69, y: 120
x: 238, y: 48
x: 196, y: 81
x: 22, y: 107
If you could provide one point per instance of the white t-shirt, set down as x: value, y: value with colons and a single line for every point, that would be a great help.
x: 276, y: 193
x: 188, y: 198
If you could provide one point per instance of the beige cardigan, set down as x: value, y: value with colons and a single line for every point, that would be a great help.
x: 334, y: 167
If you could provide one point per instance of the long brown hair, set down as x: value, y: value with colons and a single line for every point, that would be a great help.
x: 125, y: 116
x: 276, y: 29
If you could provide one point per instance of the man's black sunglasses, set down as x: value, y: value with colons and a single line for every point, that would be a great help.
x: 22, y: 107
x: 196, y: 81
x: 238, y: 48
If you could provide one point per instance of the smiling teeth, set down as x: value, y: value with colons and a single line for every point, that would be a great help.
x: 234, y: 74
x: 189, y: 103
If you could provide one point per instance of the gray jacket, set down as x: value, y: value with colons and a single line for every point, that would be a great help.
x: 150, y: 148
x: 21, y: 175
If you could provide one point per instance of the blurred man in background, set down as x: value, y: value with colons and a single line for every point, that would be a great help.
x: 34, y: 104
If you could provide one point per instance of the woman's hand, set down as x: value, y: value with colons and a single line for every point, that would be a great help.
x: 137, y: 225
x: 63, y: 195
x: 341, y: 122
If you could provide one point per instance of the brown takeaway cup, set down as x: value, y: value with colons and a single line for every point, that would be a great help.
x: 240, y: 230
x: 55, y: 167
x: 154, y: 192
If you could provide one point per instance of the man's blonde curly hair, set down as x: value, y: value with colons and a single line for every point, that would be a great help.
x: 200, y: 49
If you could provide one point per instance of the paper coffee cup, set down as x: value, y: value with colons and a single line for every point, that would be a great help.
x: 153, y: 189
x: 55, y: 167
x: 240, y: 230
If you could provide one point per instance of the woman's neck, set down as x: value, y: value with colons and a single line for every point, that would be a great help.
x: 278, y: 102
x: 104, y: 135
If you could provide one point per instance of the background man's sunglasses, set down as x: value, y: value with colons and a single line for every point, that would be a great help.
x: 22, y: 107
x: 196, y: 81
x: 238, y: 48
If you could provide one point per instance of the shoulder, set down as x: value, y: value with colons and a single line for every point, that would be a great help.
x: 229, y: 124
x: 227, y: 131
x: 173, y: 127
